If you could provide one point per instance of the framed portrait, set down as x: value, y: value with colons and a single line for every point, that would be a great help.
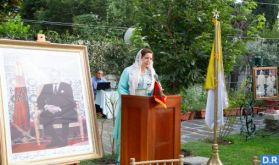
x: 265, y: 83
x: 47, y: 113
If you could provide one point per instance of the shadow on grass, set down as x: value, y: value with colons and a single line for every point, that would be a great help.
x: 105, y: 160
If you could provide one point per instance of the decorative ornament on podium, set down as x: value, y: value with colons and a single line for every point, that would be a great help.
x: 159, y: 95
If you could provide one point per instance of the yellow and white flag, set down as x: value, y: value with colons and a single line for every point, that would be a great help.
x: 210, y: 85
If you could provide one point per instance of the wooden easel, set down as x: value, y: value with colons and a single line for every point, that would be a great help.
x: 41, y: 38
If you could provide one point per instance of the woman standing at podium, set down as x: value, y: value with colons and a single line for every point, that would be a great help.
x: 137, y: 79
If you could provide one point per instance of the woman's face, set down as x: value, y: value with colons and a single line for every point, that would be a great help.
x: 146, y: 60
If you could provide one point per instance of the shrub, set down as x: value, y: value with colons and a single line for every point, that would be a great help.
x: 238, y: 97
x: 194, y: 97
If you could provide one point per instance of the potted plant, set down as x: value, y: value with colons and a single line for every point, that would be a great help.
x: 185, y: 113
x: 199, y: 103
x: 194, y: 98
x: 237, y: 99
x: 258, y: 106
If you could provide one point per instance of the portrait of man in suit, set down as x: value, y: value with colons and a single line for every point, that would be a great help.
x: 57, y: 104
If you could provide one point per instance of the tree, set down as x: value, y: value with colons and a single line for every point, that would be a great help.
x: 179, y: 32
x: 269, y: 10
x: 14, y: 29
x: 61, y: 11
x: 9, y: 8
x: 265, y: 49
x: 90, y: 26
x: 271, y: 32
x: 121, y: 12
x: 181, y: 35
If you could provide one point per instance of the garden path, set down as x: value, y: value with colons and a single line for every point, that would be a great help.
x: 191, y: 130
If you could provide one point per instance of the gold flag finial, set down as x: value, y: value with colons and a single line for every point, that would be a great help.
x: 216, y: 13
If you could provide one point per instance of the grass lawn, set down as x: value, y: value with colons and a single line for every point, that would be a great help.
x: 241, y: 152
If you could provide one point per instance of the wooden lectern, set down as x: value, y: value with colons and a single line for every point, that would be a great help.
x: 148, y: 130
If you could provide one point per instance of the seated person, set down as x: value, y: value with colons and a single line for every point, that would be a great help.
x: 56, y: 101
x: 95, y: 80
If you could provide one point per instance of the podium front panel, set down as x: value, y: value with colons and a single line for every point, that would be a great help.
x: 164, y: 132
x: 148, y: 131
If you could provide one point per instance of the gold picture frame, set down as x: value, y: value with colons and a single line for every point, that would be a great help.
x: 265, y: 83
x: 47, y: 113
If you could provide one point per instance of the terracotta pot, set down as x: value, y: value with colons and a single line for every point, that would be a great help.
x: 227, y: 112
x: 261, y: 110
x: 256, y: 110
x: 185, y: 116
x: 231, y: 111
x: 192, y: 116
x: 200, y: 114
x: 271, y: 102
x: 237, y: 111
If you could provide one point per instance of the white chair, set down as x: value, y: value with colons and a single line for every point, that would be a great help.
x: 255, y: 160
x: 179, y: 161
x: 39, y: 127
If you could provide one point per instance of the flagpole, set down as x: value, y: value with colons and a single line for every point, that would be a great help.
x: 214, y: 159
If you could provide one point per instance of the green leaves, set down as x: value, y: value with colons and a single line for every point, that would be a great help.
x: 194, y: 97
x: 14, y: 28
x: 9, y: 9
x: 179, y: 32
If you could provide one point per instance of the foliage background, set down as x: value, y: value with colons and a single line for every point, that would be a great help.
x: 179, y: 32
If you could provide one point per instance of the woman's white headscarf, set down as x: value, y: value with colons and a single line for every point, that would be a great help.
x: 134, y: 74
